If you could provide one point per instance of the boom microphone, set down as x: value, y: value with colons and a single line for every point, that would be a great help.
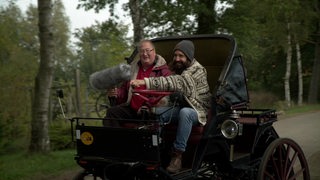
x: 110, y: 77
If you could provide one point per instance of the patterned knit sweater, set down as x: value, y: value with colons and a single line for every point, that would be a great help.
x: 192, y: 83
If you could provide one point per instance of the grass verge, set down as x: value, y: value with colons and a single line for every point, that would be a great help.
x: 26, y: 167
x: 296, y: 110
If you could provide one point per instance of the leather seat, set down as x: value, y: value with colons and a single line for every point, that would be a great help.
x: 196, y: 133
x: 170, y: 130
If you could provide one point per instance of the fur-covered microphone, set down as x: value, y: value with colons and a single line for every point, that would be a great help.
x: 110, y: 77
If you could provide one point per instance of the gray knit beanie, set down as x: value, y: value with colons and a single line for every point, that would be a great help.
x: 186, y: 47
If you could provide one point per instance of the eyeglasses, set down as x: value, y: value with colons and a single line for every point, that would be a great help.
x: 148, y: 51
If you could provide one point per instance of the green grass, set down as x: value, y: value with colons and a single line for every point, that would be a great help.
x: 26, y: 167
x: 301, y: 109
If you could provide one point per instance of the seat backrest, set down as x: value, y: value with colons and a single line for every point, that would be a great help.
x: 211, y: 51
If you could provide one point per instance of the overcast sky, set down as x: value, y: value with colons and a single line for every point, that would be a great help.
x: 80, y: 18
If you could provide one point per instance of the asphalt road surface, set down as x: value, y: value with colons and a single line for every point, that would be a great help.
x: 305, y: 130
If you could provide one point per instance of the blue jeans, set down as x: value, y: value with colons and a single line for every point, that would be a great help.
x: 184, y: 117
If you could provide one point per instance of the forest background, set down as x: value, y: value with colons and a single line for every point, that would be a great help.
x: 279, y: 40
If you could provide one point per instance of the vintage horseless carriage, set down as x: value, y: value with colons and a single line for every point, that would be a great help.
x: 236, y: 143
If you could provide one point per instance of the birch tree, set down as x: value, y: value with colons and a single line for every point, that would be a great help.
x: 40, y: 141
x: 288, y: 69
x: 294, y: 15
x: 300, y: 77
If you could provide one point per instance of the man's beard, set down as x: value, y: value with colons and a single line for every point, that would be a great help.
x: 179, y: 67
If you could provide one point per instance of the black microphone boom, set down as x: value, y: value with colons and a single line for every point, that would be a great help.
x: 110, y: 77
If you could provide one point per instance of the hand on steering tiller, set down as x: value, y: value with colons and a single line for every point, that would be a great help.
x: 137, y: 83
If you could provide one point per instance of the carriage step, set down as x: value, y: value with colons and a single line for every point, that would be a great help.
x: 183, y: 174
x: 241, y: 160
x: 241, y: 156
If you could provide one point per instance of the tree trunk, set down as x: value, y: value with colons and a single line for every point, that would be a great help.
x: 206, y: 17
x: 288, y: 70
x: 300, y: 78
x: 315, y: 77
x: 135, y: 11
x: 40, y: 141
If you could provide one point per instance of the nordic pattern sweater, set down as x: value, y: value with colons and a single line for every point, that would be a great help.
x: 192, y: 83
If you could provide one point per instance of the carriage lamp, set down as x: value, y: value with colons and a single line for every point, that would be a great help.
x: 234, y: 115
x: 229, y: 129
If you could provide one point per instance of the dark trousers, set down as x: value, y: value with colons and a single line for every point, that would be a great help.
x: 121, y: 112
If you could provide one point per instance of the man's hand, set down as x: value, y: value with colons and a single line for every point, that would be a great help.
x: 137, y: 83
x: 112, y: 92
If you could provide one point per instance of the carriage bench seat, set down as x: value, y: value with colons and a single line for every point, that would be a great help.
x: 170, y: 131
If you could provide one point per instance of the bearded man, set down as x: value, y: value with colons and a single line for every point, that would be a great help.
x: 189, y: 79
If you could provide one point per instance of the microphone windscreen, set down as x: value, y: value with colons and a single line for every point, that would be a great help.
x: 110, y: 77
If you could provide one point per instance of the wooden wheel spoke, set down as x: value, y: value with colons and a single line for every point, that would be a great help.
x: 292, y: 163
x: 288, y: 163
x: 279, y: 166
x: 283, y: 159
x: 297, y: 174
x: 268, y: 175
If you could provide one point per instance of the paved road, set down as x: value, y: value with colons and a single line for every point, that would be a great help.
x: 305, y: 130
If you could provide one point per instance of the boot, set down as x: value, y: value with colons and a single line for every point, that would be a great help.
x: 175, y: 164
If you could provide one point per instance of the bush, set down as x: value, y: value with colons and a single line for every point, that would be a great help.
x: 60, y: 134
x: 263, y: 99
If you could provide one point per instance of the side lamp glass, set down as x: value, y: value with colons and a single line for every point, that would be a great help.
x: 229, y: 129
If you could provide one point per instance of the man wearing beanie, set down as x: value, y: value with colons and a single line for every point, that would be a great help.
x: 189, y: 79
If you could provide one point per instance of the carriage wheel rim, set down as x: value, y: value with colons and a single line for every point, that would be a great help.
x: 283, y: 159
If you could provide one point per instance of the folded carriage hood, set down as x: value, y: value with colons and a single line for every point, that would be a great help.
x: 217, y: 53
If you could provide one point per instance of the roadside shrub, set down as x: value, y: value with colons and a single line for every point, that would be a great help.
x: 263, y: 99
x: 60, y: 135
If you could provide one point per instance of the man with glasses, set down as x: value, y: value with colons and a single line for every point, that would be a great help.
x: 150, y: 65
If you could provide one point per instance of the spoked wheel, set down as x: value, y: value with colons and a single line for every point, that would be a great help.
x: 103, y: 102
x: 283, y: 160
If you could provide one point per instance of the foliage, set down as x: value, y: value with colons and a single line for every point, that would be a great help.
x: 101, y: 46
x: 159, y: 21
x: 17, y: 69
x: 60, y: 134
x: 19, y: 55
x: 64, y: 58
x: 263, y: 100
x: 261, y: 33
x: 165, y: 18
